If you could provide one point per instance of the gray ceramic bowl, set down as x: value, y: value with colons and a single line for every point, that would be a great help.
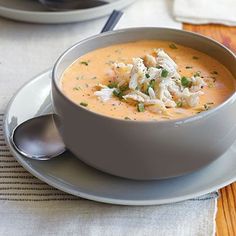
x: 145, y: 150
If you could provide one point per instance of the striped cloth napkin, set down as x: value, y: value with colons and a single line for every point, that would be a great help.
x: 30, y: 207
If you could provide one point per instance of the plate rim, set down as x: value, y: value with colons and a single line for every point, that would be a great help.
x: 65, y: 187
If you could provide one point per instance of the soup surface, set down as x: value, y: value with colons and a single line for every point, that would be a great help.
x: 147, y: 80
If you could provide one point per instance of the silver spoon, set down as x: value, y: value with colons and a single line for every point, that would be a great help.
x: 38, y: 138
x: 61, y: 5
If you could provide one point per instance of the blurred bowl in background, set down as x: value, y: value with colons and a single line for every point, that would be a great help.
x: 71, y: 4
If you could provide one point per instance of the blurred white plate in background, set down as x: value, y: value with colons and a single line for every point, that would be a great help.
x: 33, y: 11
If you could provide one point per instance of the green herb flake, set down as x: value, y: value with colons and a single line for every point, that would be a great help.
x: 127, y: 118
x: 110, y: 62
x: 164, y: 117
x: 211, y: 85
x: 94, y: 78
x: 159, y: 67
x: 124, y: 88
x: 206, y: 107
x: 186, y: 82
x: 164, y: 73
x: 188, y: 67
x: 214, y: 72
x: 80, y: 77
x: 84, y: 104
x: 140, y: 107
x: 118, y: 51
x: 152, y: 83
x: 147, y: 75
x: 84, y: 63
x: 179, y: 104
x: 173, y: 46
x: 197, y: 74
x: 118, y: 93
x: 195, y: 58
x: 77, y: 88
x: 112, y: 85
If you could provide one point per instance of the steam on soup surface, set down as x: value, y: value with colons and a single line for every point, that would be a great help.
x: 147, y: 80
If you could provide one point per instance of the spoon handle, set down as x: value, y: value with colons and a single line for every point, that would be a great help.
x: 112, y: 21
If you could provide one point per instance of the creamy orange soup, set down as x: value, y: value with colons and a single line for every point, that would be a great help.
x: 81, y: 79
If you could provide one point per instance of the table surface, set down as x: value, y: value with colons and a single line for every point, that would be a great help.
x: 226, y: 215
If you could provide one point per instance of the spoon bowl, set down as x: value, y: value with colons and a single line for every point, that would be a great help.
x: 38, y: 138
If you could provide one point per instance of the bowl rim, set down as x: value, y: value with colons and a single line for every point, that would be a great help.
x: 177, y: 122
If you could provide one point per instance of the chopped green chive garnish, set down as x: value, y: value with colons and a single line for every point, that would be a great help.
x: 173, y: 46
x: 123, y: 88
x: 84, y: 104
x: 186, y: 82
x: 118, y: 93
x: 112, y: 85
x: 179, y: 104
x: 211, y: 85
x: 159, y: 67
x: 77, y: 88
x: 140, y: 107
x: 84, y: 63
x: 110, y: 62
x: 152, y: 83
x: 214, y: 72
x: 117, y: 51
x: 147, y: 76
x: 188, y: 67
x: 197, y: 74
x: 80, y: 77
x: 206, y: 107
x: 164, y: 73
x: 195, y: 58
x: 94, y: 77
x: 127, y: 118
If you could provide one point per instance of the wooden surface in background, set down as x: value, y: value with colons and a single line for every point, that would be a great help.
x: 226, y: 215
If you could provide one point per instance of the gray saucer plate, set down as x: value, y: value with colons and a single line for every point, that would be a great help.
x: 70, y: 175
x: 32, y: 11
